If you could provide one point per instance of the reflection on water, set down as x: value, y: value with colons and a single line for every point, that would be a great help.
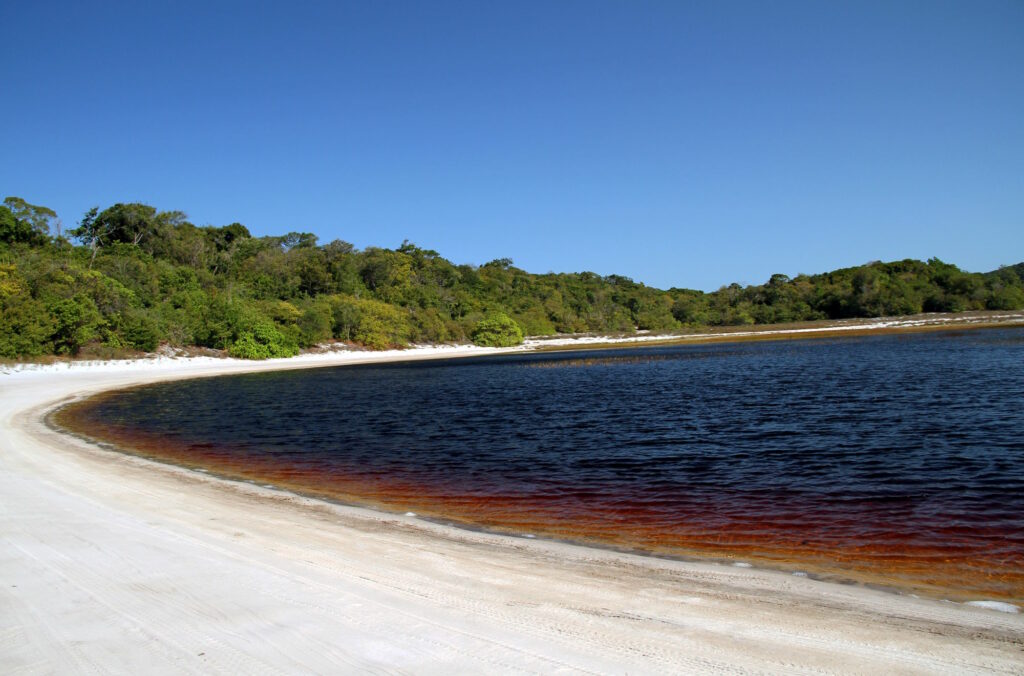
x: 890, y: 459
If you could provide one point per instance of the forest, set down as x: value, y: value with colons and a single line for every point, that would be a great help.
x: 129, y: 278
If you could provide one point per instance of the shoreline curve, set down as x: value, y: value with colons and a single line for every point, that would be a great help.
x: 117, y: 562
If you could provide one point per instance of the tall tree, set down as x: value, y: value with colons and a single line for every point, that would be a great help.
x: 90, y: 233
x: 24, y: 222
x: 132, y: 223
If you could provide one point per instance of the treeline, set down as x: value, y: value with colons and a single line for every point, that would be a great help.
x: 874, y: 290
x: 131, y: 277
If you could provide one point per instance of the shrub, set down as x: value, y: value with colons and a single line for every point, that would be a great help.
x: 1006, y: 298
x: 314, y: 324
x: 381, y: 325
x: 246, y: 347
x: 77, y: 321
x: 430, y: 327
x: 375, y: 324
x: 263, y: 341
x: 497, y: 330
x: 25, y: 327
x: 535, y: 322
x: 141, y: 331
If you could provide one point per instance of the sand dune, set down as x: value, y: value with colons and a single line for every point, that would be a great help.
x: 114, y: 564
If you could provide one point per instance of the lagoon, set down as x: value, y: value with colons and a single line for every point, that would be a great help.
x: 893, y: 460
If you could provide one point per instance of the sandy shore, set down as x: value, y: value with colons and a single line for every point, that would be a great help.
x: 113, y: 564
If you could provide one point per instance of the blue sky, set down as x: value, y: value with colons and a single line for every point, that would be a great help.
x: 678, y: 143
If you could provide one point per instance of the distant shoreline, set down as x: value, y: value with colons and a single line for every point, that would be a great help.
x: 326, y: 355
x: 797, y: 330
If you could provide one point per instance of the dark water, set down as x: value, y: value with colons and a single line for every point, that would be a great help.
x: 893, y: 459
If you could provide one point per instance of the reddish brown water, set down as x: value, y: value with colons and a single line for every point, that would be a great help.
x: 889, y: 460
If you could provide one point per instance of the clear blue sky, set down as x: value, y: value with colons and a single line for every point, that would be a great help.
x: 678, y: 143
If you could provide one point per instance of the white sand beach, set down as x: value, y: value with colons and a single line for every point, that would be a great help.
x: 113, y: 564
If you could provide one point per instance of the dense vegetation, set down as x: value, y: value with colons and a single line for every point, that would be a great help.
x: 139, y: 277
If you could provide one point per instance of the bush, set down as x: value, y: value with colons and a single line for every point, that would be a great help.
x: 263, y: 341
x: 535, y: 322
x: 375, y: 324
x: 77, y: 321
x: 1006, y: 298
x: 497, y: 330
x: 141, y: 331
x: 381, y: 325
x: 25, y: 325
x: 430, y: 326
x: 246, y: 347
x: 314, y: 324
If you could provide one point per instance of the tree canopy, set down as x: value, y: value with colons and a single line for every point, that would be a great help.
x: 139, y: 277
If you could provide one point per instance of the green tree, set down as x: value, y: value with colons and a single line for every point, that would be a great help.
x: 91, y: 233
x: 133, y: 223
x: 140, y: 331
x: 26, y: 327
x: 315, y: 323
x: 32, y: 223
x: 77, y: 322
x: 1006, y: 298
x: 381, y: 325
